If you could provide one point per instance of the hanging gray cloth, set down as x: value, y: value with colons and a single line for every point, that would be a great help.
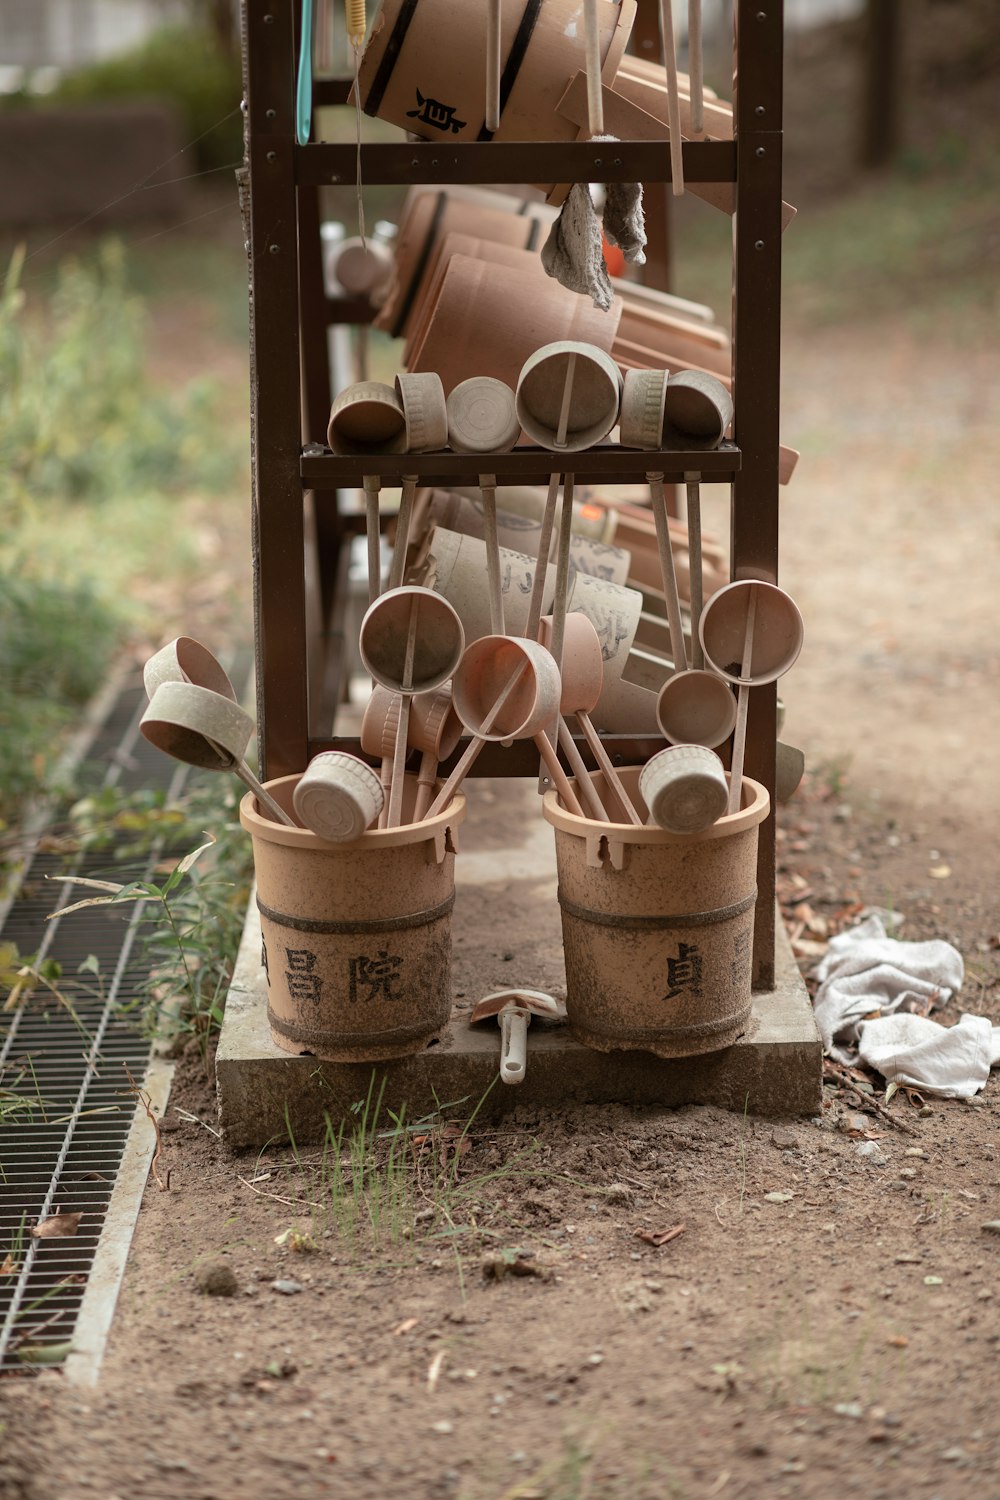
x: 624, y: 221
x: 573, y: 253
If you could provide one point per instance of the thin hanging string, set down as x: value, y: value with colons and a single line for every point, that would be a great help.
x: 357, y: 23
x: 356, y: 49
x: 136, y: 187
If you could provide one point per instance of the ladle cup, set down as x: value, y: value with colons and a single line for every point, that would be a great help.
x: 411, y: 640
x: 187, y: 660
x: 368, y: 418
x: 506, y: 688
x: 694, y: 706
x: 208, y: 730
x: 751, y: 632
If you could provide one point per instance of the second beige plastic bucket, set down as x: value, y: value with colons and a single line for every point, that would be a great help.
x: 658, y: 927
x: 356, y: 936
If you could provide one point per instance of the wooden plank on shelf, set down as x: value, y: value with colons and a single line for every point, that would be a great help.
x: 626, y: 119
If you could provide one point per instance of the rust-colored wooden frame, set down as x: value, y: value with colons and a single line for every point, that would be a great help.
x: 298, y: 529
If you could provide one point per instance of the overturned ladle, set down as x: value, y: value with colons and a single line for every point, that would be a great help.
x: 208, y: 730
x: 751, y: 632
x: 338, y: 796
x: 411, y: 640
x: 684, y: 788
x: 514, y: 1010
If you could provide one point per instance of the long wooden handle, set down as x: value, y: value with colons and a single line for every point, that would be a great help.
x: 610, y: 774
x: 542, y: 561
x: 554, y: 767
x: 403, y: 725
x: 398, y: 565
x: 673, y: 96
x: 658, y: 504
x: 425, y: 782
x: 493, y: 66
x: 263, y: 796
x: 567, y: 401
x: 562, y: 571
x: 695, y: 567
x: 696, y: 68
x: 592, y: 43
x: 742, y: 705
x: 588, y: 791
x: 476, y: 744
x: 488, y: 489
x: 372, y: 485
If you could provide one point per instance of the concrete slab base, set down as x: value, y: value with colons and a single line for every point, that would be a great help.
x: 506, y: 900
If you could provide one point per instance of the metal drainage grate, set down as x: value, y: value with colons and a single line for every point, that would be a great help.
x: 61, y: 1150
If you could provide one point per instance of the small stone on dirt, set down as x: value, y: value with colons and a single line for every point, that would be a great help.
x: 872, y: 1150
x: 778, y: 1197
x: 287, y: 1288
x: 619, y: 1193
x: 992, y: 1226
x: 785, y: 1140
x: 216, y: 1278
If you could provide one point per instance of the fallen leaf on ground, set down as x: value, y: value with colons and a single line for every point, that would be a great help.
x: 939, y: 872
x: 405, y: 1326
x: 59, y: 1226
x: 660, y: 1237
x: 43, y: 1354
x: 898, y: 1341
x: 434, y: 1370
x: 511, y: 1263
x: 296, y: 1239
x: 8, y: 1265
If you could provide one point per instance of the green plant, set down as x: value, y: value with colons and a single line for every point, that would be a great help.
x: 79, y: 418
x: 192, y: 922
x: 381, y: 1182
x: 55, y: 640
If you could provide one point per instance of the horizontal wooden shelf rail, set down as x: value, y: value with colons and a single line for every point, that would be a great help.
x: 417, y: 162
x: 322, y: 470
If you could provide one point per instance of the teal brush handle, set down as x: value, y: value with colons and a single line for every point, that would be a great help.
x: 304, y: 89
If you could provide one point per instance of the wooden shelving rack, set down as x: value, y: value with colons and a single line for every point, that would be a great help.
x: 299, y: 528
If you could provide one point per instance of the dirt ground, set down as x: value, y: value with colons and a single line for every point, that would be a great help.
x: 826, y: 1320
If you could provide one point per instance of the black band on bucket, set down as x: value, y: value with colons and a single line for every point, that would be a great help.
x: 421, y: 265
x: 657, y: 924
x: 390, y: 57
x: 359, y: 925
x: 515, y: 58
x: 351, y: 1046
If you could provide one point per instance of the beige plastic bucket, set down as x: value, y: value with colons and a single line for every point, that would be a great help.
x: 489, y: 320
x: 657, y: 926
x: 356, y: 936
x: 424, y: 67
x: 428, y: 222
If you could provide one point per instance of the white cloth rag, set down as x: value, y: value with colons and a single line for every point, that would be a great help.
x: 951, y: 1060
x: 866, y: 971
